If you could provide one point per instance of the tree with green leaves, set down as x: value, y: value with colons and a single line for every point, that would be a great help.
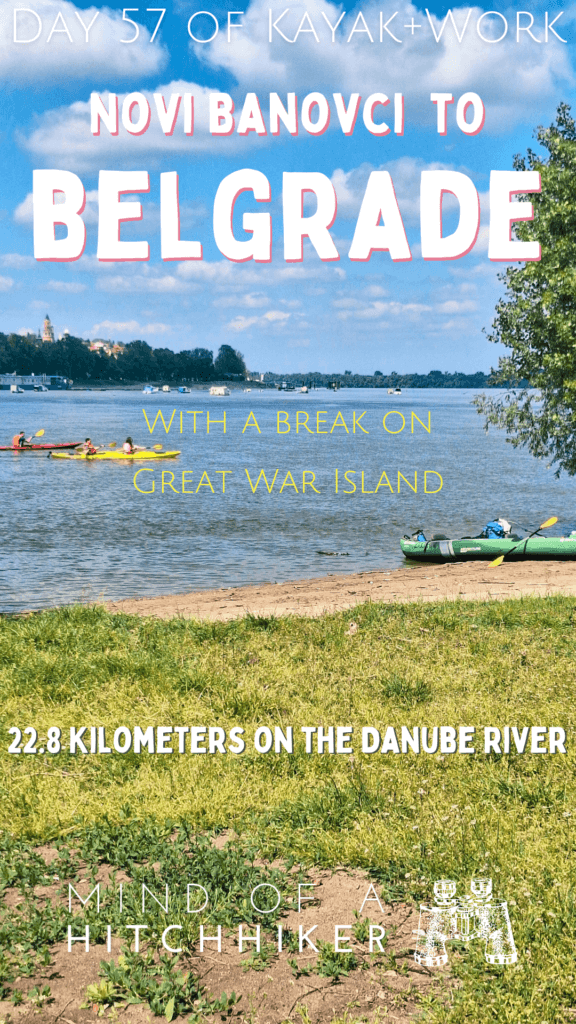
x: 229, y: 362
x: 536, y: 318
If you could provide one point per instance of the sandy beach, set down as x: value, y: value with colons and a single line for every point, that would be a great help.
x: 460, y: 581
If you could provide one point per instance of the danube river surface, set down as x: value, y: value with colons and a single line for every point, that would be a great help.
x: 80, y: 531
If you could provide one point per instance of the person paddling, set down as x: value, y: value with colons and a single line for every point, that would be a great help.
x: 88, y: 448
x: 21, y: 441
x: 129, y: 447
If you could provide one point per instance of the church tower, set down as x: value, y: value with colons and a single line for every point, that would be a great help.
x: 48, y: 330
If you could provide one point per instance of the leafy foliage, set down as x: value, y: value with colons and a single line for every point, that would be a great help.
x: 139, y: 978
x: 229, y: 361
x: 332, y: 964
x: 536, y: 320
x: 137, y: 362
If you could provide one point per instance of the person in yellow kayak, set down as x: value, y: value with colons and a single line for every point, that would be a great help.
x: 21, y: 441
x: 129, y: 447
x: 88, y: 448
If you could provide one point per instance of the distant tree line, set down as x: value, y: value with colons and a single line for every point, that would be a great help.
x: 434, y: 379
x: 71, y: 357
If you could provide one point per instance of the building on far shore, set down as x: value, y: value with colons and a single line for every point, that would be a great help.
x: 47, y: 330
x: 109, y: 348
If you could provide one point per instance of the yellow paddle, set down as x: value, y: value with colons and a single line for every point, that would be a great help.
x: 39, y: 433
x: 544, y: 526
x: 112, y: 444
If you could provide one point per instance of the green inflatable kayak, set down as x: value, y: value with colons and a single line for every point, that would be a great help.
x: 477, y: 548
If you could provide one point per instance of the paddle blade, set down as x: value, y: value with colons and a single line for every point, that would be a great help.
x: 549, y: 522
x: 112, y: 444
x: 40, y: 433
x: 497, y: 561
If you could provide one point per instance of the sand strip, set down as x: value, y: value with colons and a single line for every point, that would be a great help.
x: 464, y: 580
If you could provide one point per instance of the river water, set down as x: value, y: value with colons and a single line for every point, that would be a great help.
x: 80, y: 531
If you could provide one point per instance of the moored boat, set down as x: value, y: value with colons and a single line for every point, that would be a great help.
x: 219, y: 391
x: 514, y: 549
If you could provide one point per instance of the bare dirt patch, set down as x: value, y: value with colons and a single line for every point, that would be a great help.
x: 464, y: 580
x: 387, y: 986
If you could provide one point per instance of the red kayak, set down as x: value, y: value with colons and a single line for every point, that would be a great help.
x: 38, y: 447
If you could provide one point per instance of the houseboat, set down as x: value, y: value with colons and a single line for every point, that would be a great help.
x: 17, y: 382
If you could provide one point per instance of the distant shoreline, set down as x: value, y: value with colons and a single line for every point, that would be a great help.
x: 250, y: 385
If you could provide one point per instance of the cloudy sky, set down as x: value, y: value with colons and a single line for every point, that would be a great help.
x: 327, y: 316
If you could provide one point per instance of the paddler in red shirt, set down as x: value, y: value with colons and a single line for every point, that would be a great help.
x: 21, y: 441
x: 88, y: 448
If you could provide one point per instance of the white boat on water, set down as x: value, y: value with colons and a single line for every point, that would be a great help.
x: 303, y: 390
x: 149, y: 389
x: 219, y: 391
x: 165, y: 387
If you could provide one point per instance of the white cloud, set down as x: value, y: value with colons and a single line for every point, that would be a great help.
x: 43, y: 60
x: 416, y: 67
x: 16, y: 261
x: 115, y: 327
x: 191, y: 275
x: 156, y: 329
x: 25, y: 330
x: 273, y: 316
x: 374, y: 291
x: 6, y: 283
x: 122, y: 283
x: 251, y: 300
x: 276, y: 316
x: 66, y: 287
x: 109, y: 327
x: 455, y: 306
x: 24, y: 212
x: 230, y: 275
x: 64, y: 135
x: 149, y: 223
x: 347, y: 302
x: 377, y: 310
x: 406, y: 174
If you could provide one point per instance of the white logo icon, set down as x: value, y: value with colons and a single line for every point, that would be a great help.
x: 466, y: 917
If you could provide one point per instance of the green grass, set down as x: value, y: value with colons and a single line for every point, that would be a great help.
x: 406, y: 819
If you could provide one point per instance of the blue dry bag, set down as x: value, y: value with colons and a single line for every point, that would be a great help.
x: 493, y: 531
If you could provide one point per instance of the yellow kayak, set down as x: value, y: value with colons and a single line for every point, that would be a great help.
x: 117, y: 456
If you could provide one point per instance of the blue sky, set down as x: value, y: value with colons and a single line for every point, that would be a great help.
x: 312, y: 316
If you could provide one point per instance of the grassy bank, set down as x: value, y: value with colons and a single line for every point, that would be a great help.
x: 407, y: 819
